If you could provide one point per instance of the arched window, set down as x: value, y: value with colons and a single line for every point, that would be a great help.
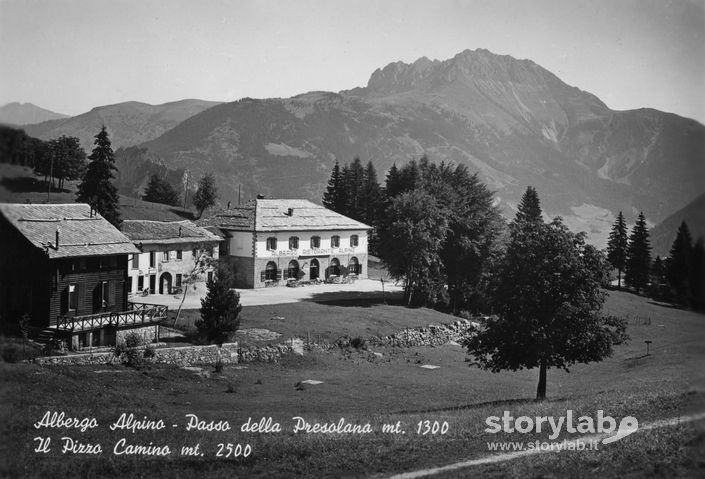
x: 271, y: 243
x: 270, y: 271
x: 335, y: 242
x: 292, y: 271
x: 294, y: 242
x: 354, y: 240
x: 354, y: 266
x: 315, y: 241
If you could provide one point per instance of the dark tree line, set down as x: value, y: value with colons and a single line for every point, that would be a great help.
x: 679, y: 278
x: 18, y: 148
x: 57, y: 160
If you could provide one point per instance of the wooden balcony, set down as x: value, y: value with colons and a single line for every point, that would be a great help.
x: 138, y: 314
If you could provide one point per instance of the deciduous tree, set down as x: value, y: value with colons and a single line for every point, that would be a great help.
x: 206, y: 194
x: 548, y: 298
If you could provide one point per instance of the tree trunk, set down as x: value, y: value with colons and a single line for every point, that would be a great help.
x: 541, y: 390
x: 619, y: 278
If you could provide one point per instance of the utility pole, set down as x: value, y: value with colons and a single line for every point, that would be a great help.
x: 51, y: 171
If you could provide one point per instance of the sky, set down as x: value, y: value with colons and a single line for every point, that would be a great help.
x: 72, y: 55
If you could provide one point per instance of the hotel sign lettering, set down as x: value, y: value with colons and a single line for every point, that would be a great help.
x: 312, y: 252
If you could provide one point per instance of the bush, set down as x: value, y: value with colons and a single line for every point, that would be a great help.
x: 133, y: 339
x: 149, y: 352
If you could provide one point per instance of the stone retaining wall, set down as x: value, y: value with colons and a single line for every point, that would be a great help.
x: 432, y: 335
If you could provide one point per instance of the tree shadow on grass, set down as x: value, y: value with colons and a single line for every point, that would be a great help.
x: 663, y: 305
x: 357, y: 299
x: 27, y: 184
x: 462, y: 407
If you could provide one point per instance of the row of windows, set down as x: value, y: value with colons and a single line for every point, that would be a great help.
x: 272, y: 273
x: 166, y: 256
x: 315, y: 242
x: 101, y: 296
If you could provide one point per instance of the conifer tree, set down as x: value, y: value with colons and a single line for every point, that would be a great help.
x: 97, y: 189
x: 638, y: 262
x: 160, y: 191
x: 220, y: 309
x: 330, y: 196
x: 371, y: 196
x: 679, y: 264
x: 392, y: 183
x: 529, y: 207
x: 697, y: 277
x: 617, y: 247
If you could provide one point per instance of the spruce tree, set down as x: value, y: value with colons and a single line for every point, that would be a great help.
x: 617, y: 247
x: 679, y: 264
x: 160, y: 191
x: 529, y: 207
x: 220, y: 309
x: 697, y: 277
x: 638, y: 256
x: 392, y: 183
x: 97, y: 189
x: 330, y: 196
x: 371, y: 196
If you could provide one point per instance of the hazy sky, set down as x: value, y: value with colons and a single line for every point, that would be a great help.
x: 71, y: 55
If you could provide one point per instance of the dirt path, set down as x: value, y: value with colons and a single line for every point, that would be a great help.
x: 495, y: 458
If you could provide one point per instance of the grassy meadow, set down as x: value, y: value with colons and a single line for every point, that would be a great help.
x: 365, y: 388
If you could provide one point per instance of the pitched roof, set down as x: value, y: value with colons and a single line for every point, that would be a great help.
x: 241, y: 217
x: 81, y: 233
x: 164, y: 232
x: 273, y: 215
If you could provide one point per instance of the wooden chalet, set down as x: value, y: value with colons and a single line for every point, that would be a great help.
x: 65, y: 267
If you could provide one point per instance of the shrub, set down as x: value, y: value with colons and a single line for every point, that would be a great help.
x: 133, y: 339
x: 149, y: 352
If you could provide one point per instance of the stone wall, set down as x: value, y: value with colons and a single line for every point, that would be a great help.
x: 182, y: 356
x: 230, y: 353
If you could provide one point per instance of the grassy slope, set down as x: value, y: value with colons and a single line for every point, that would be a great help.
x: 19, y: 185
x: 362, y: 387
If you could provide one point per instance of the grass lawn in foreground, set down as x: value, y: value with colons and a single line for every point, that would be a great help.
x: 365, y: 388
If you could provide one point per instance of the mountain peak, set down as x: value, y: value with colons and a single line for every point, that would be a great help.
x: 17, y: 113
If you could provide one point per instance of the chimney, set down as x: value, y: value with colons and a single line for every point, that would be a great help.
x: 57, y: 239
x: 290, y: 212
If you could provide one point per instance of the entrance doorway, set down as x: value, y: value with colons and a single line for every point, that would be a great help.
x: 314, y: 269
x: 165, y: 283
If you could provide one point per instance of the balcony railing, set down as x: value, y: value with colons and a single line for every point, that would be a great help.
x: 137, y: 314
